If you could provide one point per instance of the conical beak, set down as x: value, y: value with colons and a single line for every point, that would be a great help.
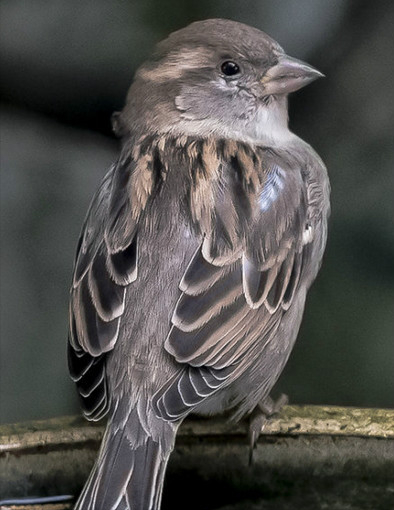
x: 288, y: 75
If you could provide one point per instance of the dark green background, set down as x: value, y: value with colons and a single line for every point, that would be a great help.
x: 66, y: 66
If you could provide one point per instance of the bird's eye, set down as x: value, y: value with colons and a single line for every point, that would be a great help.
x: 230, y: 68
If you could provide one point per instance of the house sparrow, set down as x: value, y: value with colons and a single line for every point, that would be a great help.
x: 196, y: 253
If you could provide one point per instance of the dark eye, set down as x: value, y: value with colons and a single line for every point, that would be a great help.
x: 230, y: 68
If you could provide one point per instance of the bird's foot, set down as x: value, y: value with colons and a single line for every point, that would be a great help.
x: 264, y: 410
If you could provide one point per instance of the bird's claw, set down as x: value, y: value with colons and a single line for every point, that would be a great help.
x: 264, y: 410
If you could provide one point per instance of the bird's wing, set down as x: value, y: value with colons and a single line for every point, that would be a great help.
x: 242, y: 278
x: 105, y: 264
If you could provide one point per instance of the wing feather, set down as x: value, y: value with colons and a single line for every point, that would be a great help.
x: 200, y: 275
x: 241, y: 280
x: 106, y: 264
x: 107, y: 296
x: 193, y: 311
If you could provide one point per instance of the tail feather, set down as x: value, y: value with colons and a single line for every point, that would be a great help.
x: 127, y: 476
x: 145, y: 488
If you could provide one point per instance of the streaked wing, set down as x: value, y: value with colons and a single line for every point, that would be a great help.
x: 241, y: 279
x: 106, y: 264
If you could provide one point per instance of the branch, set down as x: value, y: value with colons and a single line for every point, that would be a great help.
x: 318, y: 452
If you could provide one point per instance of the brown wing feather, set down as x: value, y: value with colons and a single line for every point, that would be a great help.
x: 241, y: 280
x: 106, y: 263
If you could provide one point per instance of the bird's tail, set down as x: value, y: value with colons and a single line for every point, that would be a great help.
x: 129, y: 471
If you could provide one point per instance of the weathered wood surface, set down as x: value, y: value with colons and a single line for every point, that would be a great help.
x: 309, y: 457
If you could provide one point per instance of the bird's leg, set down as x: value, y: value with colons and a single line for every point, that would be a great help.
x: 264, y: 410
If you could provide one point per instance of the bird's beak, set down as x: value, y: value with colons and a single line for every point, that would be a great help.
x: 288, y: 75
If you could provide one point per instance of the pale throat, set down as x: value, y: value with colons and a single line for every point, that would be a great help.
x: 269, y: 124
x: 265, y: 125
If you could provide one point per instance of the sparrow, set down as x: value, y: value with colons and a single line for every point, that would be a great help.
x: 196, y: 253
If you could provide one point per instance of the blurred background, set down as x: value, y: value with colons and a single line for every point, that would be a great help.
x: 67, y: 65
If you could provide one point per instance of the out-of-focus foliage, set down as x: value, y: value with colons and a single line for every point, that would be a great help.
x: 66, y: 67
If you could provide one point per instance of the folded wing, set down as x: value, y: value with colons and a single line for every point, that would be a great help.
x: 241, y: 280
x: 106, y: 264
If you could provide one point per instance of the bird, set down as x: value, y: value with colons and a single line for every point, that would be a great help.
x: 196, y: 254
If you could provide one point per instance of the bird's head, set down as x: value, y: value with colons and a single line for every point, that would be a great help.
x: 217, y: 77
